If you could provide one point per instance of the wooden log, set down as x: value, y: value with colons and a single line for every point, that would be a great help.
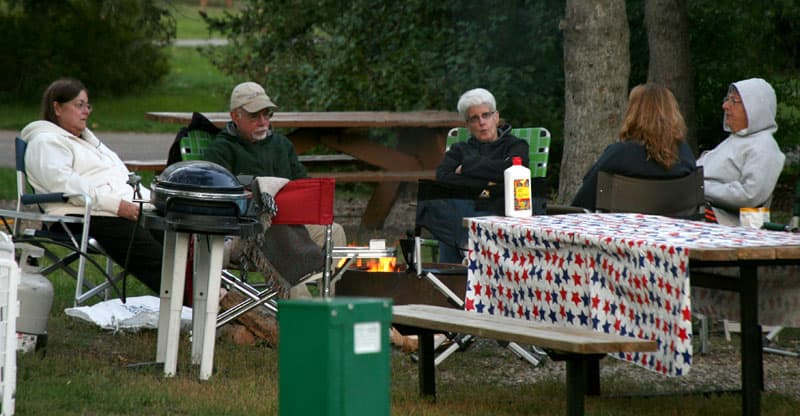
x: 258, y: 321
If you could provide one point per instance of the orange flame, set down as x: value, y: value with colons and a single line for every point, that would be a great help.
x: 381, y: 264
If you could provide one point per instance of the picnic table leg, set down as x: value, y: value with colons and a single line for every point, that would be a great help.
x: 380, y: 204
x: 426, y: 366
x: 593, y: 377
x: 577, y: 371
x: 752, y: 370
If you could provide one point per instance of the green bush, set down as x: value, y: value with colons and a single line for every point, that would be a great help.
x: 114, y: 46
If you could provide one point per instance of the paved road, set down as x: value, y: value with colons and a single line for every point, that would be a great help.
x: 141, y: 146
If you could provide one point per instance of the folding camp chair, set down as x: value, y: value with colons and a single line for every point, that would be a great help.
x: 682, y: 197
x: 55, y: 233
x: 300, y: 202
x: 772, y: 331
x: 538, y: 139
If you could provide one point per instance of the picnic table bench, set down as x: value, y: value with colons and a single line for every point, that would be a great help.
x: 580, y: 348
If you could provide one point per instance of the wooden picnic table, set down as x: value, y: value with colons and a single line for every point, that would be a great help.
x: 421, y: 137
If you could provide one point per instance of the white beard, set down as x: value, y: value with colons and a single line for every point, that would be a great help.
x: 260, y: 135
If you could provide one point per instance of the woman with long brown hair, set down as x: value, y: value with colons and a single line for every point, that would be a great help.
x: 652, y: 143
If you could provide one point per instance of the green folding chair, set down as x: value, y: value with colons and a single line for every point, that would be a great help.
x: 194, y: 144
x: 538, y: 139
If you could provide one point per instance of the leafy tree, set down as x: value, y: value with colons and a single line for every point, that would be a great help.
x: 410, y: 55
x: 597, y: 66
x: 114, y: 46
x: 743, y: 40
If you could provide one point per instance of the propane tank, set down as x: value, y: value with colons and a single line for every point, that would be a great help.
x: 517, y: 189
x: 35, y: 299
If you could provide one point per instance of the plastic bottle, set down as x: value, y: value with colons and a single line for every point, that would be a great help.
x: 517, y: 187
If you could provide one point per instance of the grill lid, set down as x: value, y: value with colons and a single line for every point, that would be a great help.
x: 198, y: 176
x: 199, y: 187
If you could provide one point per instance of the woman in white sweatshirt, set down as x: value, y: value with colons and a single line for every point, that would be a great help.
x: 742, y: 170
x: 63, y: 155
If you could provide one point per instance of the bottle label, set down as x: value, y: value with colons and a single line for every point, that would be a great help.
x: 522, y: 194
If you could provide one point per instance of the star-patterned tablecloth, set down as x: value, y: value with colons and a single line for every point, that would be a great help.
x: 615, y: 273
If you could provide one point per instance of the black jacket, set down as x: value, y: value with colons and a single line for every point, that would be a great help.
x: 630, y: 158
x: 480, y: 162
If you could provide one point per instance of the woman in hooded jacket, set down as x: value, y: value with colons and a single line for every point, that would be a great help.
x: 63, y: 155
x: 743, y: 169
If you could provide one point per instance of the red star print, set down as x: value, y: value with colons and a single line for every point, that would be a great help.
x: 687, y: 314
x: 576, y: 298
x: 470, y: 304
x: 576, y: 279
x: 578, y: 259
x: 682, y: 334
x: 595, y: 302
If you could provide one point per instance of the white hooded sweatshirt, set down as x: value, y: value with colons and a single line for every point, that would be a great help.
x: 743, y: 170
x: 57, y: 161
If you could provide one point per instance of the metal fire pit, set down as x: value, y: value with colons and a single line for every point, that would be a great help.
x: 402, y: 286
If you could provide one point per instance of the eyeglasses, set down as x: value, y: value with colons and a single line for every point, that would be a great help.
x: 82, y: 105
x: 731, y: 99
x: 258, y: 114
x: 483, y: 116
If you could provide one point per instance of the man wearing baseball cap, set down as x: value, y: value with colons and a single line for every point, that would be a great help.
x: 247, y: 146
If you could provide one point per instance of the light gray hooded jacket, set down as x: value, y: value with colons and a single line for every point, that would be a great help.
x: 742, y: 170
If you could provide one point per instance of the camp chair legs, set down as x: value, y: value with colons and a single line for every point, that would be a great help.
x: 254, y: 299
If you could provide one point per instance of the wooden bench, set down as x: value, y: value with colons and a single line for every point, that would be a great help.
x: 581, y: 348
x: 376, y: 176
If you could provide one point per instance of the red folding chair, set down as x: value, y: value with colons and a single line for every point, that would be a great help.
x: 300, y: 202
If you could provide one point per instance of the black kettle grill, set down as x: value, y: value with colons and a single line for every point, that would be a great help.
x: 201, y: 197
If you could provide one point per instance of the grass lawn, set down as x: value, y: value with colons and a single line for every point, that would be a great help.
x: 192, y: 84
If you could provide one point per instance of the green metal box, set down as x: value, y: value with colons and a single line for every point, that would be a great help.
x: 333, y: 357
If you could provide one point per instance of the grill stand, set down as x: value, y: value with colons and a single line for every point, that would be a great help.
x: 208, y: 250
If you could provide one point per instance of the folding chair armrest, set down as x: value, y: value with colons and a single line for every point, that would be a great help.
x: 29, y: 199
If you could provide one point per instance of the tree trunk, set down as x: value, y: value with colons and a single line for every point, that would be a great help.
x: 667, y: 25
x: 596, y: 72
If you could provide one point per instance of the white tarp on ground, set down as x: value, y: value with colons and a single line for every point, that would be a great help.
x: 137, y: 313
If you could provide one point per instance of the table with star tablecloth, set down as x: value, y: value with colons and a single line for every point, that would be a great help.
x: 627, y: 274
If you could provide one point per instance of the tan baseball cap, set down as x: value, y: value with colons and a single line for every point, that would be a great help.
x: 251, y: 97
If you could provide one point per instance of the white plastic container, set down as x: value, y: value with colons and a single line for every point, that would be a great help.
x: 9, y: 309
x: 517, y: 188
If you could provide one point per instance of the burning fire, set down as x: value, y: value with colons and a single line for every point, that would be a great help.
x: 381, y: 264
